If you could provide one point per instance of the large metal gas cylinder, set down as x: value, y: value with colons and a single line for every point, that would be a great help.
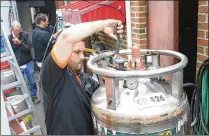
x: 136, y: 97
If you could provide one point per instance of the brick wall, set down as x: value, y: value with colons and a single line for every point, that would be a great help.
x: 138, y: 24
x: 61, y: 3
x: 202, y: 38
x: 138, y: 19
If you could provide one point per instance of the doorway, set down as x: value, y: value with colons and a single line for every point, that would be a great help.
x: 188, y: 12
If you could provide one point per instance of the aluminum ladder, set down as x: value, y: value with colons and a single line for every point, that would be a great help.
x: 20, y: 82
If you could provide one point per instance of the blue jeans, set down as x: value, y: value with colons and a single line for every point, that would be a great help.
x: 29, y: 73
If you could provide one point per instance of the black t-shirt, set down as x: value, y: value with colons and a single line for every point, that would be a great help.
x: 67, y: 103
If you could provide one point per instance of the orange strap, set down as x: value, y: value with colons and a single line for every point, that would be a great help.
x: 78, y: 78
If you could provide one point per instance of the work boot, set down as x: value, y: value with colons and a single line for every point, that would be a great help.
x: 36, y: 100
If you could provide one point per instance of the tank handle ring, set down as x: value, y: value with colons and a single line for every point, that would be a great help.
x: 140, y: 74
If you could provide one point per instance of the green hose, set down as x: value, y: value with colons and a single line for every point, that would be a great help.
x: 205, y: 100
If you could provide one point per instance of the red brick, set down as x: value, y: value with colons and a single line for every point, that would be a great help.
x: 140, y: 42
x: 143, y: 42
x: 140, y: 14
x: 202, y: 42
x: 203, y: 26
x: 142, y: 9
x: 134, y: 9
x: 207, y: 35
x: 142, y: 3
x: 138, y: 3
x: 201, y: 57
x: 202, y: 2
x: 133, y: 14
x: 142, y: 36
x: 133, y: 25
x: 200, y: 50
x: 141, y: 31
x: 135, y: 40
x: 143, y: 47
x: 133, y: 3
x: 134, y: 35
x: 203, y: 9
x: 137, y: 9
x: 139, y: 20
x: 201, y: 18
x: 201, y: 34
x: 141, y: 25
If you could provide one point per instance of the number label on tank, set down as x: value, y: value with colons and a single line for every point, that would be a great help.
x: 150, y: 100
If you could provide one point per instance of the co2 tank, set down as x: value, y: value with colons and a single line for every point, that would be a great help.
x: 138, y: 96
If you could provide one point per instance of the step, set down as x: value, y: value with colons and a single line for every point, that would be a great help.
x: 25, y: 112
x: 18, y: 98
x: 31, y: 130
x: 10, y: 85
x: 6, y: 58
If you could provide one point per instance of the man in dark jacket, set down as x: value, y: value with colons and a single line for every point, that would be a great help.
x: 41, y: 37
x: 21, y: 46
x: 66, y: 90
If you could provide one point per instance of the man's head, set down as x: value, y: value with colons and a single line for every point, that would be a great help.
x: 16, y: 28
x: 77, y: 57
x: 42, y: 20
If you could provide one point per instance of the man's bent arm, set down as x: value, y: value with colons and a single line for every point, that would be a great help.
x: 63, y: 47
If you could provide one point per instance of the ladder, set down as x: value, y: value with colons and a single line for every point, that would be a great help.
x: 15, y: 118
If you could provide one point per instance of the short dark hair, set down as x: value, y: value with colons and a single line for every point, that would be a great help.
x: 40, y: 17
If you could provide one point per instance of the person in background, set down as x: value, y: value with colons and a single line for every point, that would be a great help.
x: 50, y: 29
x: 21, y: 46
x: 66, y: 90
x: 41, y: 37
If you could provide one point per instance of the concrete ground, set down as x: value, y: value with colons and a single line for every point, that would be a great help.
x: 40, y: 116
x: 39, y: 112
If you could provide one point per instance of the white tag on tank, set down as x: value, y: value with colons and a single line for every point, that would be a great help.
x: 150, y: 100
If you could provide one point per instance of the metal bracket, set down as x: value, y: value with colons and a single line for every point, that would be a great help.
x: 156, y: 60
x: 177, y: 84
x: 112, y: 92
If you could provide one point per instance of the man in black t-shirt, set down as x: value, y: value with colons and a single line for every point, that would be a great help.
x: 66, y: 90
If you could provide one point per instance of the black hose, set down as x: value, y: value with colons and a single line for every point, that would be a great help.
x: 196, y: 109
x: 192, y: 111
x: 203, y: 121
x: 197, y: 99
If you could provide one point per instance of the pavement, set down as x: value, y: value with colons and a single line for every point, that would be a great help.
x: 39, y: 111
x: 40, y: 116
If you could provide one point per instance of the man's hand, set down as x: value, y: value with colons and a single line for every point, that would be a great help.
x: 16, y: 41
x: 109, y: 28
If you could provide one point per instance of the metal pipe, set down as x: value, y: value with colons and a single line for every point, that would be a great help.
x: 117, y: 43
x: 141, y: 74
x: 128, y: 24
